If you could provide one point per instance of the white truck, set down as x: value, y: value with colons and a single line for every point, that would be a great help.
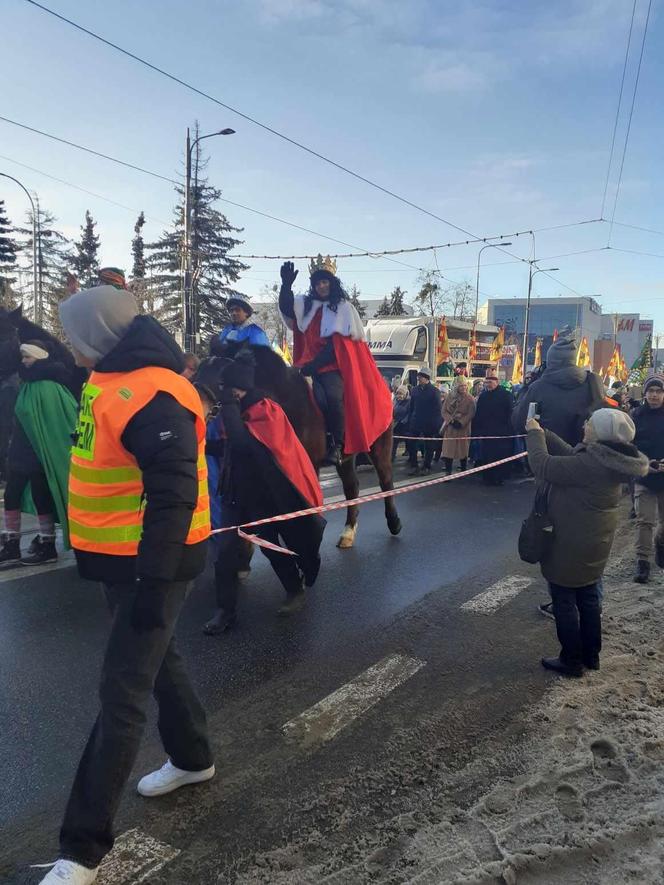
x: 402, y: 345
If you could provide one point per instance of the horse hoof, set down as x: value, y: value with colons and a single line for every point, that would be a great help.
x: 347, y: 538
x: 394, y: 525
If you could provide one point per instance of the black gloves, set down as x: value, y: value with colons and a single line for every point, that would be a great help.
x: 456, y: 425
x: 288, y: 273
x: 308, y: 369
x: 147, y: 612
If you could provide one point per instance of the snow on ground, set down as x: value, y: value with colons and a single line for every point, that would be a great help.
x: 573, y: 794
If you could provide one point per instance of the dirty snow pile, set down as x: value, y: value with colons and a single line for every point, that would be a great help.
x: 577, y: 799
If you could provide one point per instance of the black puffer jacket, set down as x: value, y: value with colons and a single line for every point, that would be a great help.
x: 649, y: 439
x: 168, y: 462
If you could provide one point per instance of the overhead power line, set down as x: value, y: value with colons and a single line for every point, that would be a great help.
x: 311, y: 151
x: 617, y: 119
x: 629, y: 121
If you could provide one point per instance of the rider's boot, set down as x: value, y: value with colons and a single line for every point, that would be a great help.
x: 334, y: 452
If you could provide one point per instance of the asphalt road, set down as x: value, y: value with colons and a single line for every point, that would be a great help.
x: 395, y: 599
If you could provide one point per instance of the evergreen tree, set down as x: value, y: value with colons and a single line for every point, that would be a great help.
x: 396, y: 302
x: 384, y: 309
x: 213, y: 270
x: 138, y: 249
x: 354, y: 297
x: 54, y: 263
x: 86, y: 262
x: 9, y: 249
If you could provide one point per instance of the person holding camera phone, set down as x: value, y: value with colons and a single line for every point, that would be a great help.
x: 649, y: 491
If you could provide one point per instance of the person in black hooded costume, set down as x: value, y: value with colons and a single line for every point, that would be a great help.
x: 266, y: 472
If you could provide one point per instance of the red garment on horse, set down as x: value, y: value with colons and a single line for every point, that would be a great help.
x: 267, y: 422
x: 307, y: 345
x: 367, y: 399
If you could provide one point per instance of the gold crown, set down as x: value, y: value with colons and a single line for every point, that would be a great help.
x: 320, y: 263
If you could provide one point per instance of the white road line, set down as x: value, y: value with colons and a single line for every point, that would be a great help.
x: 328, y: 717
x: 134, y: 858
x: 497, y: 595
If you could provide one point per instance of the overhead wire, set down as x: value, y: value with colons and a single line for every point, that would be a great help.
x: 311, y: 151
x: 617, y: 119
x: 629, y: 121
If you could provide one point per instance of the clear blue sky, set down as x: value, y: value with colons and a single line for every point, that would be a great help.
x: 496, y: 115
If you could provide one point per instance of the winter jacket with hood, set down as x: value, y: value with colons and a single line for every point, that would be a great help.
x: 586, y: 484
x: 566, y: 394
x: 168, y: 463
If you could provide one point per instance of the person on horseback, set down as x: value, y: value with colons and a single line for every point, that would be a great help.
x: 266, y: 472
x: 240, y: 328
x: 329, y: 345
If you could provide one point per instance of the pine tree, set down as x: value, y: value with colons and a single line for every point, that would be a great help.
x: 138, y: 249
x: 86, y: 262
x: 384, y: 309
x: 9, y: 249
x: 54, y: 262
x: 396, y: 302
x: 213, y: 270
x: 354, y: 298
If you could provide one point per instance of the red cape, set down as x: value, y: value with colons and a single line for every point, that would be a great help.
x: 267, y: 422
x: 367, y: 400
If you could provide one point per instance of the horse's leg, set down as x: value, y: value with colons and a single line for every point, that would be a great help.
x: 351, y: 484
x: 381, y: 456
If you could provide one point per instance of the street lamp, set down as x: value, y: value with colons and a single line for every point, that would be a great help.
x: 189, y: 312
x: 531, y: 274
x: 36, y: 288
x: 477, y: 284
x: 477, y: 290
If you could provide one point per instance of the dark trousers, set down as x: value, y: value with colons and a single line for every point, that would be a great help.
x: 232, y: 556
x: 428, y: 446
x: 449, y: 464
x: 329, y: 394
x: 41, y: 494
x: 578, y: 623
x: 135, y: 666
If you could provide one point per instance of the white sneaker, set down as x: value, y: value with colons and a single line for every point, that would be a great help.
x: 66, y: 872
x: 169, y: 778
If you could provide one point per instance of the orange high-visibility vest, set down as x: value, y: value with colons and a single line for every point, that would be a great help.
x: 106, y: 495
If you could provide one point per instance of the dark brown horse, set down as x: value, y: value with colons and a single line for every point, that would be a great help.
x: 286, y: 386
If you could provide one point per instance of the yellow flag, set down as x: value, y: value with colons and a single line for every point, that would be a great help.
x: 497, y: 346
x: 443, y: 343
x: 517, y: 371
x: 285, y: 352
x: 583, y: 355
x: 615, y: 363
x: 538, y: 353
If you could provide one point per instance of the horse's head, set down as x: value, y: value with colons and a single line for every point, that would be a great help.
x: 10, y: 355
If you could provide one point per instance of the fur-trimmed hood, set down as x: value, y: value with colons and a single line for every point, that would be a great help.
x: 621, y: 458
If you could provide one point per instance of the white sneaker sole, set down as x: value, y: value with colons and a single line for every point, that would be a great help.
x: 190, y: 777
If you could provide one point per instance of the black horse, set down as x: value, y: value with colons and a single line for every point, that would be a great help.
x: 288, y: 387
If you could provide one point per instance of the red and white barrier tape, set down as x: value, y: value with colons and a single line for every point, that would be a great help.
x: 455, y: 438
x: 341, y: 505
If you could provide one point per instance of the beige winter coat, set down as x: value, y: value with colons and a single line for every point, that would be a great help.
x: 458, y: 407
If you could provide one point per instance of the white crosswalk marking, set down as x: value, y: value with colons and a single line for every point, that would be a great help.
x: 329, y: 716
x: 497, y: 594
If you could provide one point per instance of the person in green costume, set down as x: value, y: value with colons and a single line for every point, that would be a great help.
x: 38, y: 457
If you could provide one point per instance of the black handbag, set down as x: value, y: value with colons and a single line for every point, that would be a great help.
x: 536, y: 535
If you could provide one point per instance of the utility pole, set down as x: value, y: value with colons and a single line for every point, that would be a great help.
x: 477, y: 291
x: 526, y: 323
x: 189, y: 307
x: 35, y: 239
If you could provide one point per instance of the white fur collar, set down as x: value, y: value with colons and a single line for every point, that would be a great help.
x: 344, y: 321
